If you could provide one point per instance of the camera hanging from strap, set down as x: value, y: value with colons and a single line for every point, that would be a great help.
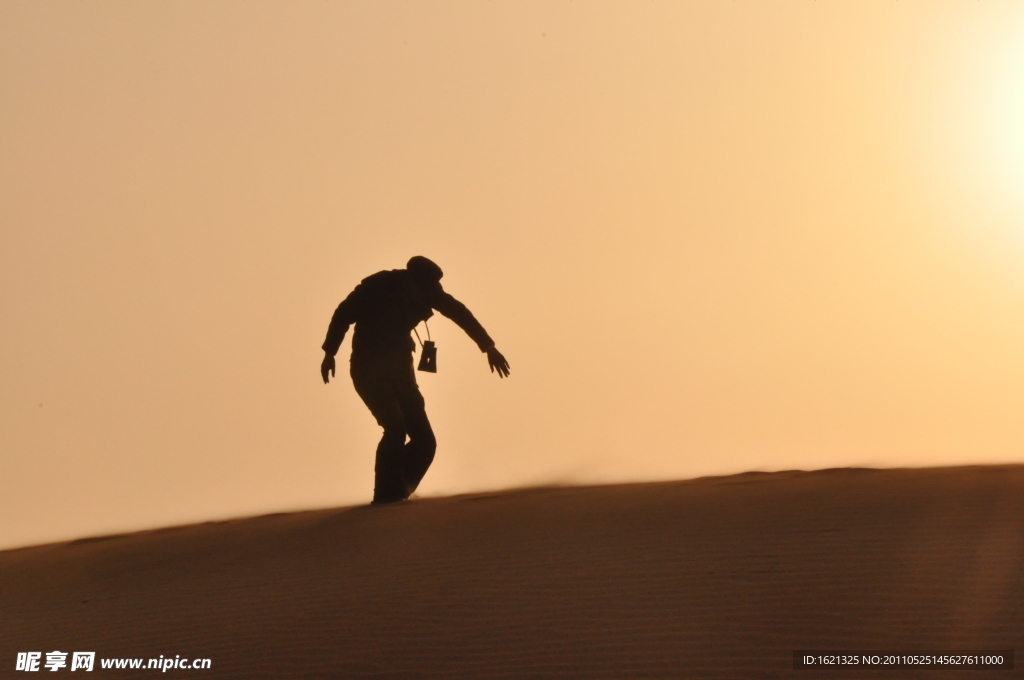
x: 428, y: 359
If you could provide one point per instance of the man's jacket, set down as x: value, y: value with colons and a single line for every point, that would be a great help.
x: 385, y: 307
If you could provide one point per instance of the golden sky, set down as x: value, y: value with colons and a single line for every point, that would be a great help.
x: 709, y: 237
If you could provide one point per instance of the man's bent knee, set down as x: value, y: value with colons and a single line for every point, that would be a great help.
x: 393, y: 437
x: 423, y: 442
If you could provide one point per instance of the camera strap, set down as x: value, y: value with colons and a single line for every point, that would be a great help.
x: 425, y: 325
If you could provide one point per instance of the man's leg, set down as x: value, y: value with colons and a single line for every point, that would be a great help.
x: 389, y: 481
x: 377, y: 390
x: 418, y: 453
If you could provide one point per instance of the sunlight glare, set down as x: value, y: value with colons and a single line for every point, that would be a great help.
x: 1005, y: 135
x: 976, y: 132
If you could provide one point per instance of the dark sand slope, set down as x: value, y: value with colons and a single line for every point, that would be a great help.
x: 717, y: 577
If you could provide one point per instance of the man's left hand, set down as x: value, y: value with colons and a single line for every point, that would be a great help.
x: 497, y: 362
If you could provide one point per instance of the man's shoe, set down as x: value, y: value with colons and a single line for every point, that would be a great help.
x: 383, y: 499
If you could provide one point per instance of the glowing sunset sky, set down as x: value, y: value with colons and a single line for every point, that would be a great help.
x: 709, y: 237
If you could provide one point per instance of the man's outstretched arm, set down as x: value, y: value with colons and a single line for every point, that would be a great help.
x: 460, y: 314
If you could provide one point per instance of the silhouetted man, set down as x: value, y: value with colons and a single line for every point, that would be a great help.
x: 385, y: 308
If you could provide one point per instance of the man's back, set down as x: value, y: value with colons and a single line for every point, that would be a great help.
x: 385, y: 307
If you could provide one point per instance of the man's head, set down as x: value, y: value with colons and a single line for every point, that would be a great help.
x: 424, y: 272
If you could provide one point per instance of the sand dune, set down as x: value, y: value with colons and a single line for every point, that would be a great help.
x: 716, y: 577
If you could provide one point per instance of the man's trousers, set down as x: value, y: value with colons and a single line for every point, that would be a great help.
x: 387, y: 385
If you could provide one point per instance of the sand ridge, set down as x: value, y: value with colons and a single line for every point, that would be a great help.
x: 719, y: 577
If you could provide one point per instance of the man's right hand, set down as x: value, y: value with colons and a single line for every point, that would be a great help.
x: 327, y: 366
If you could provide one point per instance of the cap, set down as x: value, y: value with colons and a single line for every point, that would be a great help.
x: 423, y: 269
